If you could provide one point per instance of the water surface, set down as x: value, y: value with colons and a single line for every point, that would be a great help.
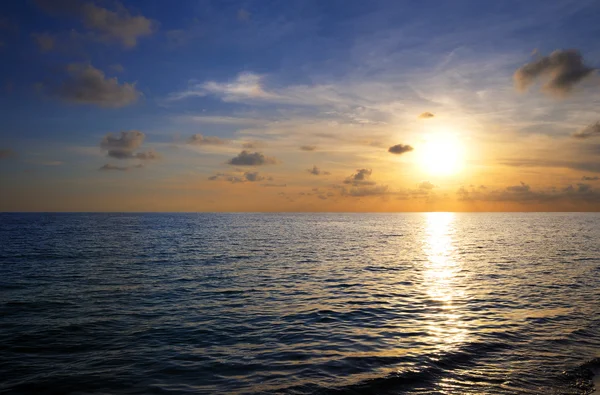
x: 435, y: 303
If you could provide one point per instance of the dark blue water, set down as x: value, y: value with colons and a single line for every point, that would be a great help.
x: 300, y: 303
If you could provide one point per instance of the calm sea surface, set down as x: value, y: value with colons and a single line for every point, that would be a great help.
x: 435, y: 303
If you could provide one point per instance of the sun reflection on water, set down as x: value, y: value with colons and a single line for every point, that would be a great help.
x: 443, y: 282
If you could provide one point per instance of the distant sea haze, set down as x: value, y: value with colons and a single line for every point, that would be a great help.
x: 424, y: 303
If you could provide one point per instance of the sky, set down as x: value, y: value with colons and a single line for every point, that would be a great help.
x: 308, y: 106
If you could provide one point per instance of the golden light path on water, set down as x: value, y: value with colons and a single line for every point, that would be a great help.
x: 443, y: 282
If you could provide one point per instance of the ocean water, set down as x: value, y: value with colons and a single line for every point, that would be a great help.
x: 437, y: 303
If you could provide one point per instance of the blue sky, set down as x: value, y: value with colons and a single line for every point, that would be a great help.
x: 348, y: 78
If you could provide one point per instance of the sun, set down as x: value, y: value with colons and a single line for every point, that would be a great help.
x: 442, y: 154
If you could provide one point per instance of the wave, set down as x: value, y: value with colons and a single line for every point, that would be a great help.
x: 584, y: 378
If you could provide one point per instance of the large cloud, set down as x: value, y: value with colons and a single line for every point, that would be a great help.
x: 109, y: 25
x: 88, y: 85
x: 590, y: 178
x: 246, y: 158
x: 399, y: 149
x: 592, y: 130
x: 563, y: 69
x: 124, y: 145
x: 198, y: 139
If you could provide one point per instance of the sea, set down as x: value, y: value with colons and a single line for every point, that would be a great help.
x: 198, y: 303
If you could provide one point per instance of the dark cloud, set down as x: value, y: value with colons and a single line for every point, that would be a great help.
x: 592, y: 130
x: 308, y: 147
x: 108, y: 25
x: 198, y: 139
x: 523, y: 188
x: 249, y: 176
x: 361, y: 177
x: 246, y: 158
x: 523, y: 193
x: 88, y: 85
x: 6, y: 153
x: 316, y: 171
x: 399, y: 149
x: 124, y: 145
x: 562, y: 68
x: 148, y: 155
x: 588, y: 178
x: 426, y: 115
x: 376, y: 190
x: 44, y: 41
x: 110, y: 167
x: 593, y: 166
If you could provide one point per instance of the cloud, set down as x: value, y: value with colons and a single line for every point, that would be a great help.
x: 44, y: 41
x: 588, y: 178
x: 308, y: 147
x: 148, y: 155
x: 523, y: 188
x: 110, y: 167
x: 246, y: 158
x: 6, y: 153
x: 592, y: 130
x: 376, y: 190
x: 563, y: 69
x: 426, y: 115
x: 316, y: 171
x: 198, y: 139
x: 426, y: 185
x: 253, y: 144
x: 249, y: 176
x: 591, y: 165
x: 361, y: 177
x: 399, y: 149
x: 123, y: 145
x: 245, y: 86
x: 110, y: 25
x: 274, y: 185
x: 88, y: 85
x: 523, y: 193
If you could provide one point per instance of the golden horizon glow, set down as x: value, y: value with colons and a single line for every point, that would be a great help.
x: 441, y: 155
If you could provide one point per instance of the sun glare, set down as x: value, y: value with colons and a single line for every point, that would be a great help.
x: 442, y: 154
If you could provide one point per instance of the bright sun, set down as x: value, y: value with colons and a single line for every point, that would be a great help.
x: 442, y: 154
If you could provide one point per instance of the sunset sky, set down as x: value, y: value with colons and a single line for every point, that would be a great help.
x: 299, y: 105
